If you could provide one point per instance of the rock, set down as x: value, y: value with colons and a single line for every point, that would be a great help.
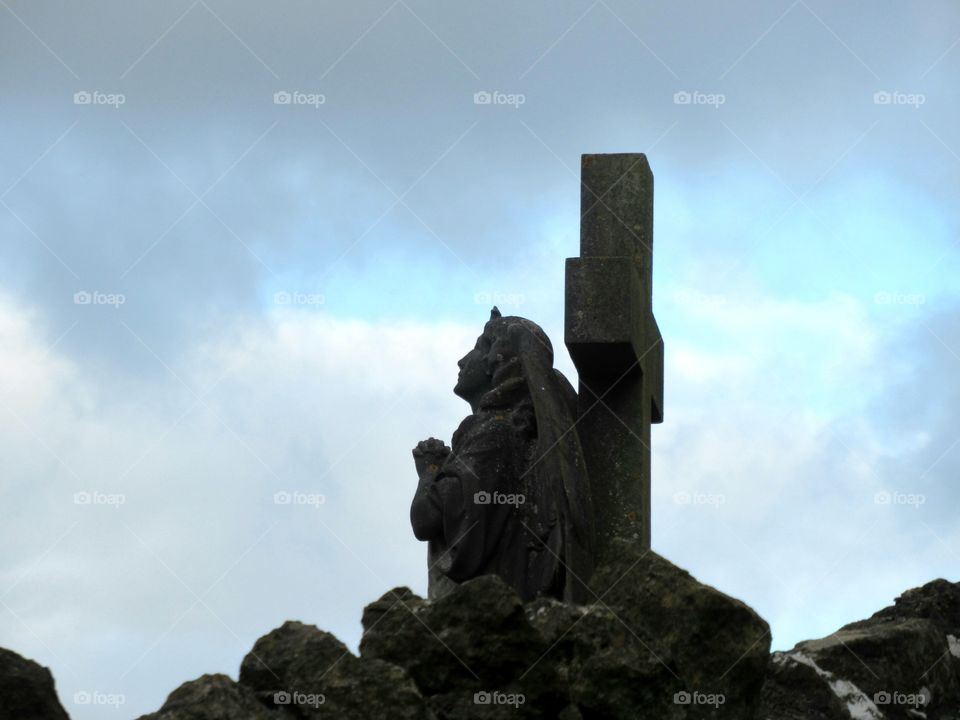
x: 627, y: 657
x: 797, y: 690
x: 903, y: 662
x: 302, y: 668
x: 476, y: 638
x: 626, y: 683
x: 716, y: 647
x: 212, y: 697
x: 27, y: 691
x: 611, y: 672
x: 289, y: 658
x: 938, y: 601
x: 473, y: 644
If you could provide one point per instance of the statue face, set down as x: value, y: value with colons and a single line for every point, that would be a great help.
x: 474, y: 377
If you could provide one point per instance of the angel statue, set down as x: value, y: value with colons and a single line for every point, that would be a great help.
x: 511, y: 497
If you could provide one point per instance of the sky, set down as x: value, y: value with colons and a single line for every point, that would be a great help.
x: 243, y: 245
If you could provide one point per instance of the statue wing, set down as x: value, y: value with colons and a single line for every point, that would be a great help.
x: 562, y: 511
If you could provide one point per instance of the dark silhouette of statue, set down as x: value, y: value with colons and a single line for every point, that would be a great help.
x: 511, y: 497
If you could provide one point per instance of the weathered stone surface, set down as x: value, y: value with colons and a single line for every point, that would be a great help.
x: 300, y: 667
x: 27, y: 691
x: 616, y: 204
x: 623, y: 658
x: 717, y: 645
x: 614, y: 341
x: 796, y: 690
x: 212, y: 697
x: 287, y: 656
x: 626, y: 682
x: 611, y: 673
x: 901, y: 662
x: 937, y: 601
x: 477, y: 638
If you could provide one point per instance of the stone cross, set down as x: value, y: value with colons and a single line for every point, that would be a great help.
x: 614, y: 341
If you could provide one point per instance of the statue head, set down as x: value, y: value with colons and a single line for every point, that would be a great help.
x: 497, y: 353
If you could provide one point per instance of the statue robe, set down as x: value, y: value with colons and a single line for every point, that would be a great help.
x: 512, y: 448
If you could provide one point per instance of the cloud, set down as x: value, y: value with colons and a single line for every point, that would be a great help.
x: 177, y: 540
x: 788, y: 471
x: 783, y: 212
x: 310, y: 193
x: 154, y: 509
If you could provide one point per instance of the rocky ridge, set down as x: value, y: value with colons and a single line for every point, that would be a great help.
x: 652, y: 643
